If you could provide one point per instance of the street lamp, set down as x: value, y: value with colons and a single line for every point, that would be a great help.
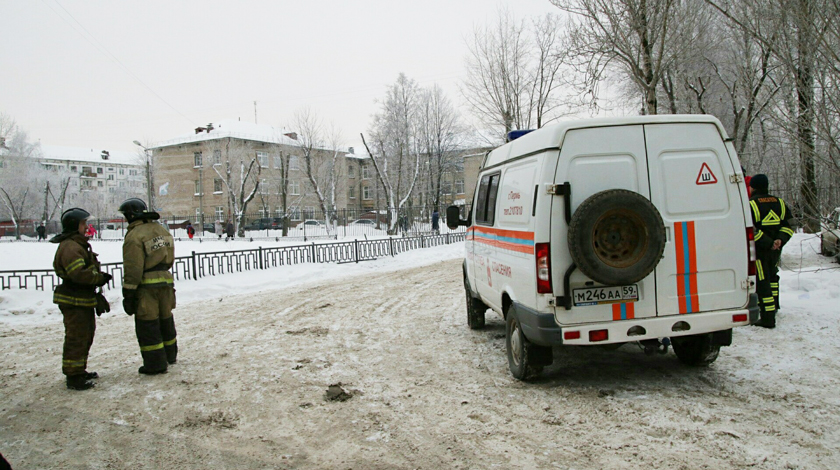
x: 149, y: 180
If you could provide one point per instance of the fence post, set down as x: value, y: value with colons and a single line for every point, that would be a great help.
x: 422, y: 242
x: 356, y: 243
x: 313, y: 251
x: 447, y: 238
x: 391, y: 240
x: 261, y: 257
x: 195, y: 271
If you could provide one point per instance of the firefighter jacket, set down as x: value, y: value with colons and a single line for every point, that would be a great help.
x: 148, y: 254
x: 771, y: 220
x: 76, y: 264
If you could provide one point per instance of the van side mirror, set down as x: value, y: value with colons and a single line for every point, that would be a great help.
x: 453, y: 218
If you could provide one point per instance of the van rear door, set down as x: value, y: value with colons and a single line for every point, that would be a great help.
x: 594, y: 160
x: 705, y: 260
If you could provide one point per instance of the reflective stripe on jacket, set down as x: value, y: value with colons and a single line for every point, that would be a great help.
x: 148, y: 254
x: 78, y: 268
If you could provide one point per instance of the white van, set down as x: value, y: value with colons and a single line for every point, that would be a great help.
x: 608, y: 231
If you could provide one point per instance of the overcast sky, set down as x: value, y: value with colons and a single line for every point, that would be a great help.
x: 101, y: 74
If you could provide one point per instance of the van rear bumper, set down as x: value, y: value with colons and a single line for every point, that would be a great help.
x: 541, y: 329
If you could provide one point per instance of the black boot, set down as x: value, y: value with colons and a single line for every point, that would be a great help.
x: 91, y: 375
x: 78, y: 382
x: 145, y: 371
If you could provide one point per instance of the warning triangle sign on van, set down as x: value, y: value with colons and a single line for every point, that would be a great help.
x: 706, y: 176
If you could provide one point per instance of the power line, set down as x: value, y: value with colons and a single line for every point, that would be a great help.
x: 102, y: 49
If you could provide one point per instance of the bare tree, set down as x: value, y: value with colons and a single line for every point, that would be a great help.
x: 639, y: 38
x: 440, y: 134
x: 18, y: 168
x: 240, y: 186
x: 395, y: 155
x: 513, y: 77
x: 319, y: 147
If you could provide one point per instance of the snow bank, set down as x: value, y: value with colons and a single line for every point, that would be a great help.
x: 33, y: 307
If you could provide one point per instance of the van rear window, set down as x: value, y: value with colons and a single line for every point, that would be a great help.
x: 486, y: 204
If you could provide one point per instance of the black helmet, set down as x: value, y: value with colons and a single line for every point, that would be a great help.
x: 71, y: 218
x: 135, y: 209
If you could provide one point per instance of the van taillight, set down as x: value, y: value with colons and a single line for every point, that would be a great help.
x: 543, y: 268
x: 751, y: 250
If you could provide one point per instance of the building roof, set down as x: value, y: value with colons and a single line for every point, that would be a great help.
x: 236, y: 129
x: 91, y: 155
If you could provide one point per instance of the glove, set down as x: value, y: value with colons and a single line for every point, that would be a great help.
x: 130, y: 301
x: 106, y: 278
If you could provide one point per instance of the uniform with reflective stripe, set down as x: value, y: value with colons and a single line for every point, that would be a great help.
x: 772, y: 222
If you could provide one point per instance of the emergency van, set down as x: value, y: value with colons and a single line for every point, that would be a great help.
x: 610, y: 231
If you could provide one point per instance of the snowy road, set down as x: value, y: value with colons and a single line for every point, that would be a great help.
x: 249, y: 390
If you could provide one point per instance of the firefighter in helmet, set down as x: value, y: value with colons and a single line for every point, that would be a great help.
x: 148, y: 286
x: 77, y: 267
x: 772, y: 232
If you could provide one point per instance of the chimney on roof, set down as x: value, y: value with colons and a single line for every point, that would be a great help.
x: 291, y: 135
x: 199, y: 130
x: 351, y: 151
x: 209, y: 127
x: 105, y: 155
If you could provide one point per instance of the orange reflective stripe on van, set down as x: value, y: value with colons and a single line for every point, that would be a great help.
x: 514, y: 240
x: 686, y: 267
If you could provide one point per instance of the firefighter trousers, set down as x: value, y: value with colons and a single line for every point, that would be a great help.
x: 767, y: 288
x: 79, y: 328
x: 155, y: 326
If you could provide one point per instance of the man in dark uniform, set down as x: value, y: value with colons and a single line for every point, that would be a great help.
x: 76, y: 264
x: 148, y: 286
x: 772, y: 231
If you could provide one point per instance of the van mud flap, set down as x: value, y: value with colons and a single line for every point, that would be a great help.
x: 539, y: 328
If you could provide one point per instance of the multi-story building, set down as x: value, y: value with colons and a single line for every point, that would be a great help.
x: 200, y: 175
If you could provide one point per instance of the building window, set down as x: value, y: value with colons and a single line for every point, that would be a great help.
x: 217, y: 185
x: 132, y: 172
x: 262, y: 159
x: 294, y: 188
x: 198, y: 214
x: 278, y: 162
x: 111, y: 190
x: 73, y: 168
x: 366, y: 172
x: 351, y: 170
x: 263, y: 186
x: 122, y: 171
x: 111, y: 177
x: 366, y: 193
x: 446, y: 188
x: 99, y: 183
x: 459, y: 187
x: 197, y: 159
x: 122, y: 184
x: 294, y: 162
x: 87, y: 170
x: 217, y: 157
x: 220, y: 213
x: 308, y: 212
x: 264, y: 211
x: 294, y: 213
x: 197, y: 187
x: 111, y: 170
x: 99, y: 171
x: 351, y: 193
x: 279, y: 212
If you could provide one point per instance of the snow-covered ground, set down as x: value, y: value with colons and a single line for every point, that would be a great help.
x: 258, y: 357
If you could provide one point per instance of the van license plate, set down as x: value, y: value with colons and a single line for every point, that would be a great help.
x: 606, y: 295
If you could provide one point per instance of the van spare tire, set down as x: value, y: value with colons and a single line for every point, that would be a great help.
x: 616, y: 237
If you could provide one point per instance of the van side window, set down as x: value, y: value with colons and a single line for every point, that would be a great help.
x: 485, y: 212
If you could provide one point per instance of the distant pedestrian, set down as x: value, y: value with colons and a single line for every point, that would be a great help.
x: 436, y: 221
x: 229, y: 231
x: 772, y: 232
x: 42, y: 232
x: 190, y: 230
x: 217, y: 228
x: 91, y: 231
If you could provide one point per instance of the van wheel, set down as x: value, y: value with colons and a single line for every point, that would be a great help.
x: 616, y: 237
x: 475, y: 309
x: 695, y: 350
x: 519, y: 351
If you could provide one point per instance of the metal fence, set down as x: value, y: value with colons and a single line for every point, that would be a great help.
x: 199, y: 265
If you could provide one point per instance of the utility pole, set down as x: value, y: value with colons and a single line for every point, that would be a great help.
x: 150, y: 183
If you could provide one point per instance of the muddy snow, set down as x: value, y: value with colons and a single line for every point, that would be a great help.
x: 380, y: 371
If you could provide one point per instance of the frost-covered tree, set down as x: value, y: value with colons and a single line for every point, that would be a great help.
x: 440, y: 134
x: 240, y: 175
x: 19, y: 168
x: 394, y: 148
